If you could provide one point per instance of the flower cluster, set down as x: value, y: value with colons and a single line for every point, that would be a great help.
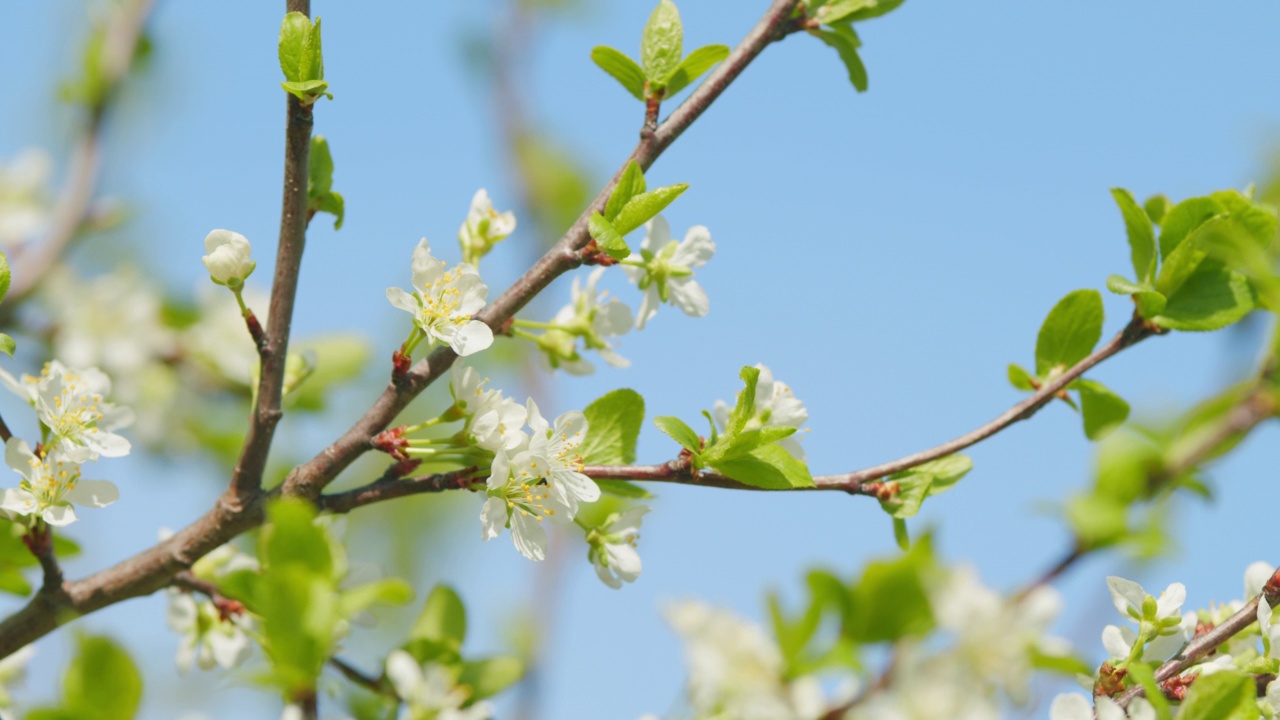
x: 213, y: 632
x: 775, y: 406
x: 442, y: 304
x: 24, y: 202
x: 483, y: 228
x: 77, y: 424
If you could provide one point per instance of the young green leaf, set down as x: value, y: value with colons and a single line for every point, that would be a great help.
x: 1182, y: 219
x: 332, y: 204
x: 620, y: 68
x: 295, y: 61
x: 900, y: 534
x: 320, y: 195
x: 1145, y: 676
x: 739, y: 444
x: 1102, y: 409
x: 1019, y: 377
x: 1156, y: 207
x: 291, y: 537
x: 1070, y: 331
x: 662, y: 45
x: 1142, y: 238
x: 1122, y: 286
x: 630, y: 184
x: 694, y: 64
x: 7, y: 345
x: 443, y: 619
x: 680, y: 432
x: 1259, y: 221
x: 1097, y: 521
x: 102, y: 682
x: 623, y: 489
x: 607, y: 237
x: 1150, y: 303
x: 388, y: 591
x: 1213, y: 297
x: 946, y: 471
x: 845, y: 42
x: 613, y: 425
x: 1226, y: 695
x: 873, y: 9
x: 837, y: 10
x: 490, y: 676
x: 641, y: 208
x: 891, y: 601
x: 5, y: 275
x: 745, y: 407
x: 768, y: 467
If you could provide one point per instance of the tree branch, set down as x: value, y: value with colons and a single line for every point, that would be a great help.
x: 391, y: 488
x: 73, y: 210
x: 152, y: 569
x: 246, y: 481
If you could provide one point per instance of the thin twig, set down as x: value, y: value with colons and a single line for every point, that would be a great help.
x: 355, y: 675
x: 246, y: 481
x: 389, y: 489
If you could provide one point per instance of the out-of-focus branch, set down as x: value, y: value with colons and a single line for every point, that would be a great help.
x: 73, y: 208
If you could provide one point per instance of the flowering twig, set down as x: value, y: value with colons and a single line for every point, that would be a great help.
x: 236, y: 512
x: 246, y: 481
x: 73, y: 209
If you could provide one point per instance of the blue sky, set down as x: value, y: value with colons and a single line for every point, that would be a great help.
x: 886, y: 253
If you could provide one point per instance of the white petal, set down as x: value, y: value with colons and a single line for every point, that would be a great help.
x: 696, y: 249
x: 108, y: 444
x: 471, y: 338
x: 629, y: 521
x: 403, y: 300
x: 229, y: 648
x: 605, y: 575
x: 613, y: 358
x: 59, y: 515
x: 1255, y: 576
x: 648, y: 306
x: 1107, y: 709
x: 19, y: 501
x: 614, y: 318
x: 657, y: 233
x: 493, y: 518
x: 1140, y: 709
x: 689, y: 296
x: 1164, y: 647
x: 1114, y: 642
x: 1170, y: 601
x: 1126, y: 595
x: 93, y: 493
x: 624, y: 560
x: 529, y: 537
x: 575, y: 485
x: 18, y: 455
x: 404, y: 672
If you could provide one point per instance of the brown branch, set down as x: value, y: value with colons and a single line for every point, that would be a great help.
x: 246, y: 481
x: 73, y: 209
x: 234, y: 513
x: 373, y: 684
x: 389, y: 489
x: 311, y: 477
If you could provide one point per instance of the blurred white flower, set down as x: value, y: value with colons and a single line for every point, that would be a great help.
x: 430, y: 693
x: 483, y: 228
x: 219, y: 340
x: 13, y: 670
x: 595, y: 317
x: 207, y: 639
x: 25, y: 207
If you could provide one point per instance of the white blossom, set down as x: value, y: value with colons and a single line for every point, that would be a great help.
x: 443, y: 302
x: 517, y: 497
x: 51, y: 485
x: 72, y: 405
x: 220, y: 341
x: 775, y: 406
x: 558, y: 447
x: 1129, y: 597
x: 595, y: 317
x: 1077, y: 707
x: 13, y: 670
x: 493, y: 422
x: 206, y: 638
x: 483, y: 228
x: 430, y: 693
x: 612, y: 547
x: 663, y: 269
x: 228, y: 258
x: 24, y: 202
x: 1118, y: 641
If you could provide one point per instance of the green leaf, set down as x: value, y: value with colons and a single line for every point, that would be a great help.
x: 307, y: 92
x: 1070, y: 331
x: 620, y: 68
x: 1125, y: 463
x: 662, y: 45
x: 680, y: 432
x: 694, y: 64
x: 845, y: 42
x: 1097, y: 521
x: 14, y: 582
x: 1019, y: 377
x: 1258, y: 220
x: 320, y: 195
x: 890, y: 600
x: 1157, y: 207
x: 607, y: 237
x: 874, y: 9
x: 1102, y: 409
x: 946, y: 471
x: 838, y: 10
x: 1150, y: 303
x: 900, y: 534
x: 299, y: 48
x: 630, y: 184
x: 922, y: 481
x: 1182, y: 219
x: 1142, y: 239
x: 1211, y: 298
x: 443, y: 619
x: 292, y: 538
x: 102, y: 681
x: 613, y: 426
x: 643, y: 207
x: 1225, y: 695
x: 1068, y: 665
x: 5, y: 276
x: 299, y: 611
x: 1122, y: 285
x: 1146, y: 677
x: 388, y: 591
x: 739, y: 444
x: 490, y: 676
x: 769, y: 467
x: 7, y: 345
x: 623, y: 489
x: 745, y: 407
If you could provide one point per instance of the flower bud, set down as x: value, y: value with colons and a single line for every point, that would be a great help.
x: 228, y: 258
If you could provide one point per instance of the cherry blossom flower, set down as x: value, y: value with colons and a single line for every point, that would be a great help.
x: 519, y: 499
x: 663, y: 269
x: 51, y: 485
x: 612, y: 547
x: 443, y: 302
x: 483, y: 228
x: 558, y: 447
x: 430, y: 693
